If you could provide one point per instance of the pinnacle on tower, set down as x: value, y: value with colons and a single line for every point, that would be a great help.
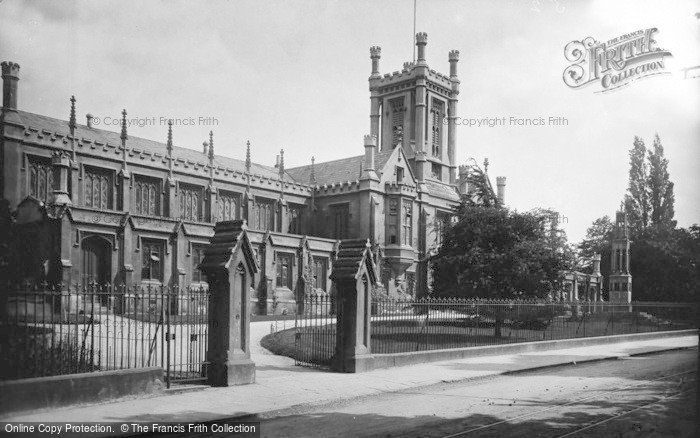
x: 211, y: 145
x: 170, y: 137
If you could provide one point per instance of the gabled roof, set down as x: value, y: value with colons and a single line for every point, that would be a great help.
x: 137, y: 144
x: 345, y: 169
x: 440, y: 190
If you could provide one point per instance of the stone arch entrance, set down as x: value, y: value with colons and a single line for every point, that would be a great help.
x: 95, y: 261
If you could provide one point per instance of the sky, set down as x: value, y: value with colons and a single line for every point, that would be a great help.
x: 293, y: 75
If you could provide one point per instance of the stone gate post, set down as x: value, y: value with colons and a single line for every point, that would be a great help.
x: 353, y: 276
x: 229, y: 264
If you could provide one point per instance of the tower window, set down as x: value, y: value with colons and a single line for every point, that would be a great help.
x: 436, y: 114
x: 436, y: 171
x: 397, y: 119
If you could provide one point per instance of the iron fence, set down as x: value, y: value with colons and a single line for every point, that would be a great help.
x: 400, y: 326
x: 315, y: 331
x: 47, y: 331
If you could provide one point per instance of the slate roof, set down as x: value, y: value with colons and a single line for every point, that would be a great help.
x: 345, y: 169
x: 138, y: 144
x: 440, y: 190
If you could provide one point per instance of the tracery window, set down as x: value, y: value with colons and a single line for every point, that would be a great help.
x: 320, y: 272
x: 295, y: 217
x: 98, y: 188
x: 40, y: 179
x: 151, y: 266
x: 190, y: 202
x: 147, y: 196
x: 229, y: 206
x: 284, y: 270
x: 197, y: 257
x: 263, y: 215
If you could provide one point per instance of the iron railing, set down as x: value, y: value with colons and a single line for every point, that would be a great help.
x: 315, y: 330
x: 47, y: 331
x: 400, y: 326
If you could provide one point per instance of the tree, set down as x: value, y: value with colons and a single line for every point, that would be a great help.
x: 597, y: 241
x: 665, y: 265
x: 495, y: 253
x: 660, y: 188
x: 649, y: 200
x: 480, y: 190
x: 637, y: 199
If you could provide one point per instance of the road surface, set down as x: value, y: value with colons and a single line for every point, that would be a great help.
x: 652, y: 395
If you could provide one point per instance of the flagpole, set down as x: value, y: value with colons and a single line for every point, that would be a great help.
x: 414, y: 31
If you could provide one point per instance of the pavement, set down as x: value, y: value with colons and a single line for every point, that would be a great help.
x: 281, y: 385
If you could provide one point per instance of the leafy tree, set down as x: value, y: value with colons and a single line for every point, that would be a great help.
x: 660, y: 188
x: 480, y: 190
x: 496, y: 253
x: 597, y: 241
x: 665, y: 265
x: 637, y: 198
x: 649, y: 200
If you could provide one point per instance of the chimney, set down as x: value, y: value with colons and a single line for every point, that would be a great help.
x: 454, y: 58
x: 375, y: 52
x: 370, y: 148
x: 501, y: 189
x: 205, y: 147
x: 596, y: 264
x: 421, y: 42
x: 89, y: 116
x: 10, y: 76
x: 277, y: 161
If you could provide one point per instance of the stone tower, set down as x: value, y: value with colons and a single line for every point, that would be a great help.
x: 416, y: 108
x: 620, y: 282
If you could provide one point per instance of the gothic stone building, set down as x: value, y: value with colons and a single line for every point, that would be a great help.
x: 94, y: 206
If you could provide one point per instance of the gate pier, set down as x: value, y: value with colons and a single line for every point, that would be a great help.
x: 230, y: 266
x: 354, y: 275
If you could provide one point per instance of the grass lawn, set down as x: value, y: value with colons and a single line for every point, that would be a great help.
x: 316, y: 344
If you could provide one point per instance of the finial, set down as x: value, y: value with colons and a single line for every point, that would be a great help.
x: 281, y: 161
x: 312, y: 179
x: 72, y: 123
x: 211, y: 145
x: 124, y: 136
x: 486, y: 165
x: 170, y: 137
x: 247, y: 156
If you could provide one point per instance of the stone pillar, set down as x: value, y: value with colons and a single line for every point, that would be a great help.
x: 353, y: 277
x: 452, y: 115
x: 229, y: 264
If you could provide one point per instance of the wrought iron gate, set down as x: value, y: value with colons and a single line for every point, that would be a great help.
x: 184, y: 334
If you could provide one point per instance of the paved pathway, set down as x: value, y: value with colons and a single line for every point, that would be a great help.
x: 280, y: 385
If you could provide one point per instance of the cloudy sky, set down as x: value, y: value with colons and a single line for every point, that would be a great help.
x: 293, y: 75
